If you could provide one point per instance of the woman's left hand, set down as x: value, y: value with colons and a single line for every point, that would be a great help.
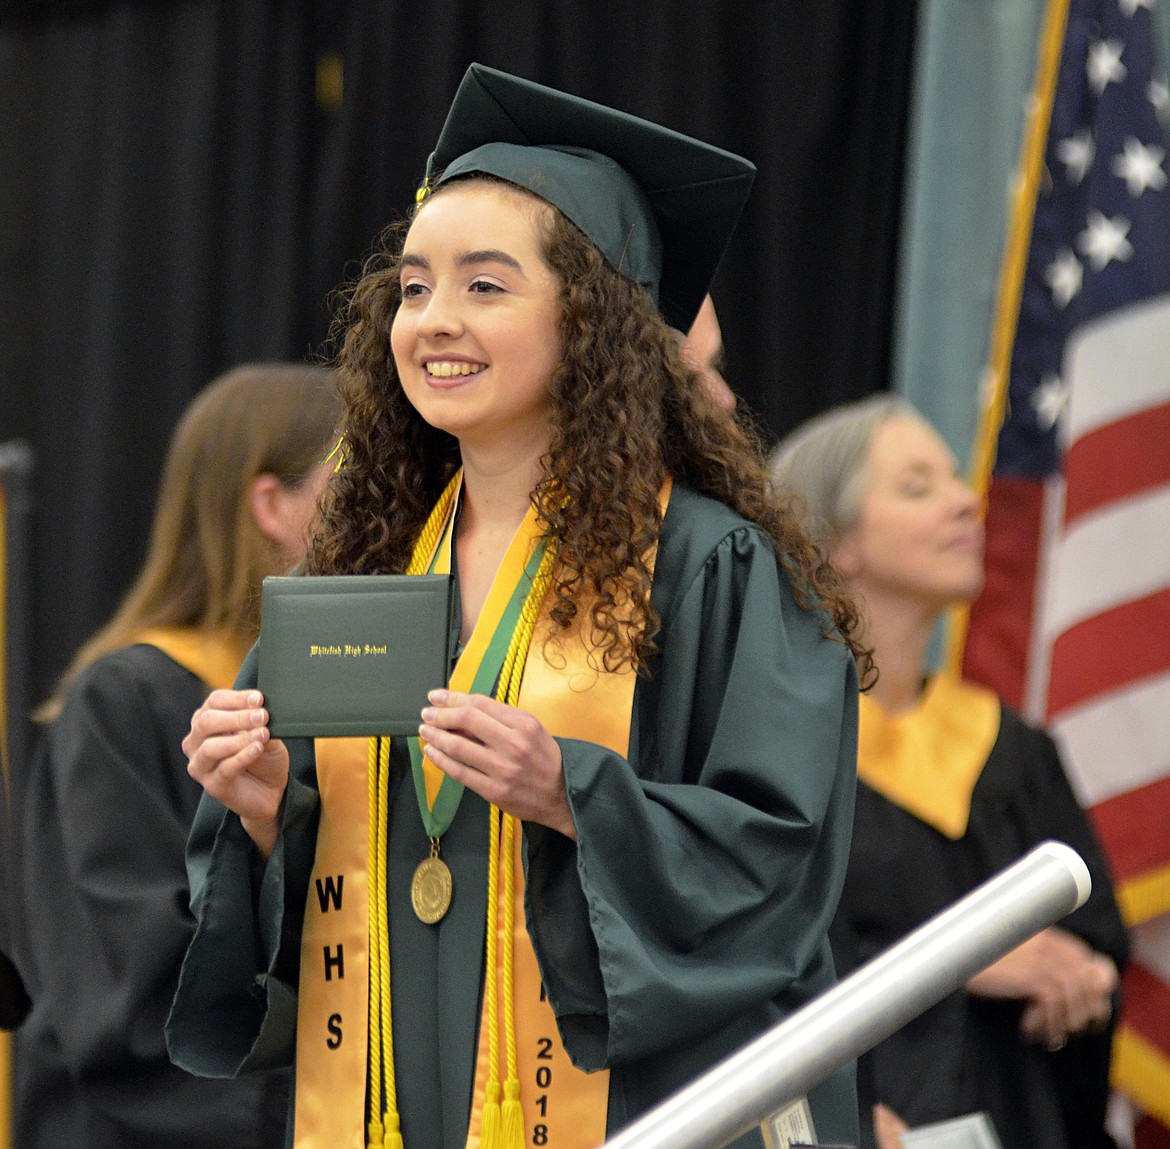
x: 501, y: 752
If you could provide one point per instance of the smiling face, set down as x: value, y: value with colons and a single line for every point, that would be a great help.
x: 918, y: 536
x: 476, y: 337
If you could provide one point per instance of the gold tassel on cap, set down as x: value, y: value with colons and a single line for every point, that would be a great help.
x: 338, y: 453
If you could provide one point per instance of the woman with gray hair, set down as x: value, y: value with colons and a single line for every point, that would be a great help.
x: 952, y: 787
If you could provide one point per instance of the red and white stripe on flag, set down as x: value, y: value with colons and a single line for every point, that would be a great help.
x: 1073, y: 627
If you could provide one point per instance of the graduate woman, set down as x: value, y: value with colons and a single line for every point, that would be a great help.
x: 953, y: 787
x: 615, y: 854
x: 106, y: 805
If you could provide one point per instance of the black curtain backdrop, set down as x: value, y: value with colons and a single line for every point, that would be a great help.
x: 183, y: 184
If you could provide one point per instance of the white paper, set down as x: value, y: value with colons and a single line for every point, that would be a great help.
x: 974, y: 1131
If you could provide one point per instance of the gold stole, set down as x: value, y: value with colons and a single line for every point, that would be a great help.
x: 563, y: 1107
x: 928, y: 760
x: 573, y: 699
x: 215, y: 657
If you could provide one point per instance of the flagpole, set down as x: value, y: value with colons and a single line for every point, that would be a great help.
x: 1011, y: 281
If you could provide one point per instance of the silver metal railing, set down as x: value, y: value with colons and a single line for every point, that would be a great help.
x: 785, y: 1062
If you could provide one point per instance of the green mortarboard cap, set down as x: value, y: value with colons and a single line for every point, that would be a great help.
x: 661, y: 206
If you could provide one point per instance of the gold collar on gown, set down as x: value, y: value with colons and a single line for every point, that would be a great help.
x: 928, y: 760
x: 214, y: 656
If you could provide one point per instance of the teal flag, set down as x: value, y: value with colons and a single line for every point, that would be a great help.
x: 974, y: 65
x: 1082, y: 537
x: 973, y: 72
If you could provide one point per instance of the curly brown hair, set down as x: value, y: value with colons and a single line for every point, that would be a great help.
x: 626, y: 413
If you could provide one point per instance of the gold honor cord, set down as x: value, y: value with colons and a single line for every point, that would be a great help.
x: 506, y: 1122
x: 214, y: 656
x: 383, y: 1128
x: 503, y: 1125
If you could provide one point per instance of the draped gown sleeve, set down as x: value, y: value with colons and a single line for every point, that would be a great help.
x: 235, y: 1009
x: 692, y: 911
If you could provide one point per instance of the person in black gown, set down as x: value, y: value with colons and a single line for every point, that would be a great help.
x: 953, y: 787
x: 105, y: 805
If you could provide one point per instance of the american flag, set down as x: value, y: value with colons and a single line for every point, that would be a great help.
x: 1073, y: 627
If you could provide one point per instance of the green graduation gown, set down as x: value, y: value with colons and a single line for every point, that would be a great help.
x: 690, y: 914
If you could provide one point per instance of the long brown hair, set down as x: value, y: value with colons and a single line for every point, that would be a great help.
x: 206, y: 556
x: 627, y: 412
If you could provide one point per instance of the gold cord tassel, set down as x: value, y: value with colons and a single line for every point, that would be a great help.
x: 489, y: 1137
x: 513, y: 1116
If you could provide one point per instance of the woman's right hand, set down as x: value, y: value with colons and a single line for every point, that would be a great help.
x: 1067, y: 987
x: 232, y: 755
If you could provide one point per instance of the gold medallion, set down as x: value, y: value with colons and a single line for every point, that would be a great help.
x: 431, y: 888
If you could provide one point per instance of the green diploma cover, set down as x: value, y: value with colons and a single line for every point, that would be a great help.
x: 352, y: 655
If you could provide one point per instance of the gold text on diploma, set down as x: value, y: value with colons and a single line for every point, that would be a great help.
x: 347, y: 650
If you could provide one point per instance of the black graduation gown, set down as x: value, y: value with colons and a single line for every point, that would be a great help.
x: 14, y: 1001
x: 105, y: 810
x: 965, y: 1054
x: 690, y: 914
